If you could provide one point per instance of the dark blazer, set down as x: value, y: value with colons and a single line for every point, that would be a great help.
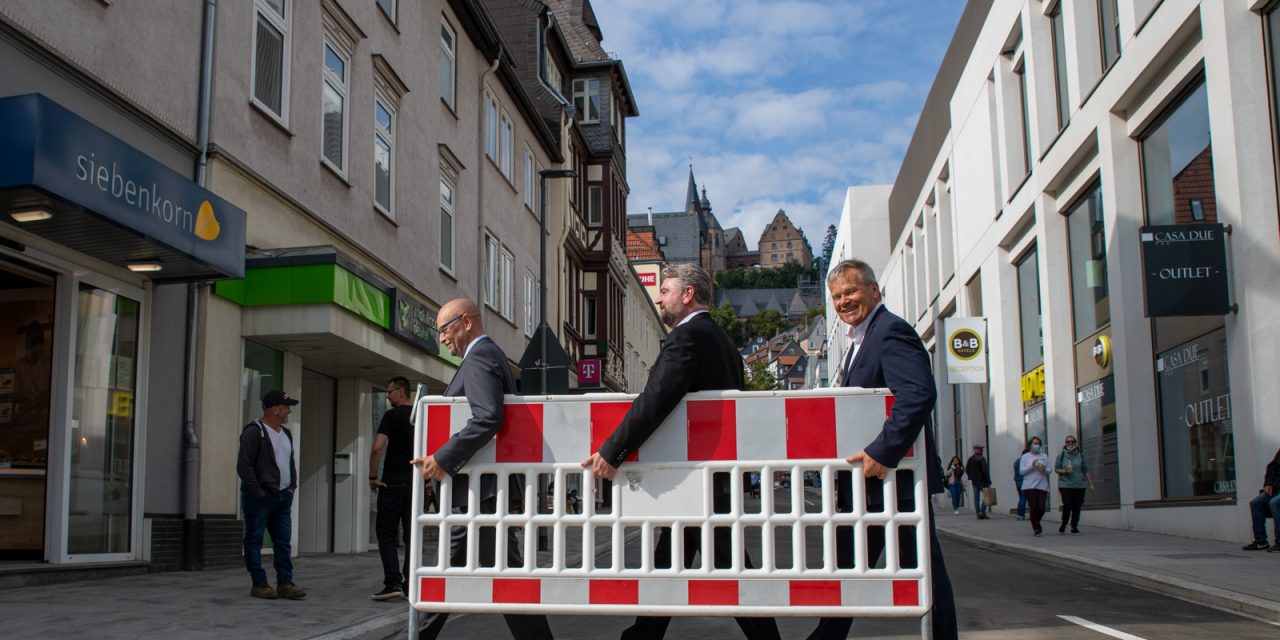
x: 892, y: 356
x: 696, y: 356
x: 483, y: 377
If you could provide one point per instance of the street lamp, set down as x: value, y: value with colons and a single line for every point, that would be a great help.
x: 543, y: 329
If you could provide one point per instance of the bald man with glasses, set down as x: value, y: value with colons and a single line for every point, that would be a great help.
x: 484, y: 377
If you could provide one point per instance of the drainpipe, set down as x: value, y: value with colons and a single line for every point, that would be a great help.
x: 191, y: 555
x: 493, y: 68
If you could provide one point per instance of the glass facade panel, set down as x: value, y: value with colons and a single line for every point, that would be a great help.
x: 1196, y: 435
x: 103, y: 423
x: 1177, y: 164
x: 1096, y: 403
x: 263, y: 371
x: 1029, y: 311
x: 1087, y: 241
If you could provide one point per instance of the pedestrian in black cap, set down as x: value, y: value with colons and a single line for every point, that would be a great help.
x: 268, y: 478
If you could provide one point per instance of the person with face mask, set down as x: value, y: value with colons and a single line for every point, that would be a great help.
x: 1073, y: 476
x: 1034, y: 465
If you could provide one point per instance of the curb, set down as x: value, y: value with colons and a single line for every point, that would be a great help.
x: 1265, y: 610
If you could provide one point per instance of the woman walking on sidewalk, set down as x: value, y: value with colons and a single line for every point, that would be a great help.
x: 1034, y: 465
x: 955, y: 482
x: 1073, y: 475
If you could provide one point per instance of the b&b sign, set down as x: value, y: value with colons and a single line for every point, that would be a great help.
x: 966, y: 349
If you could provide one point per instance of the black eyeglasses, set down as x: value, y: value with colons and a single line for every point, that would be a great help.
x: 1071, y: 442
x: 456, y: 318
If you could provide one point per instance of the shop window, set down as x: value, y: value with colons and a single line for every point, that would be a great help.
x: 1177, y: 163
x: 1098, y: 440
x: 1196, y: 430
x: 1029, y: 310
x: 1087, y: 242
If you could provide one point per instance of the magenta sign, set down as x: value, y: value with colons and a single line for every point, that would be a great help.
x: 589, y: 371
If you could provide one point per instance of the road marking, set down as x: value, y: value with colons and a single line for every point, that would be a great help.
x: 1100, y: 629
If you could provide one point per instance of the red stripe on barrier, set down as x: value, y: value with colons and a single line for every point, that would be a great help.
x: 906, y: 593
x: 713, y: 430
x: 811, y: 428
x: 520, y: 438
x: 815, y: 593
x: 888, y: 405
x: 517, y: 591
x: 431, y: 590
x: 605, y: 418
x: 438, y: 417
x: 615, y: 592
x: 713, y: 592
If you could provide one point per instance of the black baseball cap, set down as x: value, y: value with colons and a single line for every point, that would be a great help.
x: 277, y: 397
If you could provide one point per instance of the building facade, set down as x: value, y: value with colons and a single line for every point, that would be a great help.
x: 782, y: 242
x: 1073, y: 130
x: 314, y: 181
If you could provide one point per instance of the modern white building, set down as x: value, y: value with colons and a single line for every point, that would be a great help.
x: 1053, y: 134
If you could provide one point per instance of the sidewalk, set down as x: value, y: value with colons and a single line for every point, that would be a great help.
x: 1207, y: 572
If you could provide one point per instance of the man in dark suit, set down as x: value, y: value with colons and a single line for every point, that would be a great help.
x: 483, y: 377
x: 696, y: 356
x: 884, y: 351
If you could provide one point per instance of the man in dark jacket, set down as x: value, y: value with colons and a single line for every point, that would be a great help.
x: 1267, y: 502
x: 979, y: 473
x: 885, y: 351
x: 268, y: 478
x: 696, y: 356
x: 483, y: 377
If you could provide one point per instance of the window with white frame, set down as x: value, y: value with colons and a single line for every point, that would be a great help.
x: 388, y: 9
x: 271, y: 57
x: 554, y: 77
x: 530, y: 303
x: 595, y: 205
x: 337, y: 86
x: 507, y: 143
x: 446, y: 225
x: 1024, y: 122
x: 586, y: 99
x: 490, y: 125
x: 507, y: 286
x: 530, y: 181
x: 448, y: 64
x: 383, y: 157
x: 491, y: 268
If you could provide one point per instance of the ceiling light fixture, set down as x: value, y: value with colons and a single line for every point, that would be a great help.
x: 145, y: 267
x: 30, y: 215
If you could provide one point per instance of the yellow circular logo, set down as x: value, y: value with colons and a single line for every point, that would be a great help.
x: 1102, y: 351
x: 965, y: 344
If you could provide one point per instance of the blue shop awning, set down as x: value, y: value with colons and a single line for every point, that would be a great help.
x: 109, y: 200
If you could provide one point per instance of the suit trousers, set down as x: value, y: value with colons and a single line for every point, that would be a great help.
x: 521, y: 626
x: 944, y: 602
x: 654, y: 627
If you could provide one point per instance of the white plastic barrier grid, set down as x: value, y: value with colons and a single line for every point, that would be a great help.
x: 795, y: 441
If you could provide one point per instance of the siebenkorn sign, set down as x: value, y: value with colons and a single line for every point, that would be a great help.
x: 46, y: 146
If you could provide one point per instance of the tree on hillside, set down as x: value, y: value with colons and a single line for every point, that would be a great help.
x: 784, y: 277
x: 728, y: 320
x: 828, y: 247
x: 759, y: 378
x: 768, y: 323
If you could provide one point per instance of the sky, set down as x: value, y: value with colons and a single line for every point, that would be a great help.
x: 778, y: 104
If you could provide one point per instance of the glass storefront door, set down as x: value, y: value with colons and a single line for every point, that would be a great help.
x: 103, y: 422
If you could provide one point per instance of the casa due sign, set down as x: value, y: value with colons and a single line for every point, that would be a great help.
x: 966, y: 350
x: 1185, y: 268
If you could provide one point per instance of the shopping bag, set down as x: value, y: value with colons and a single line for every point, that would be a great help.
x: 989, y: 496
